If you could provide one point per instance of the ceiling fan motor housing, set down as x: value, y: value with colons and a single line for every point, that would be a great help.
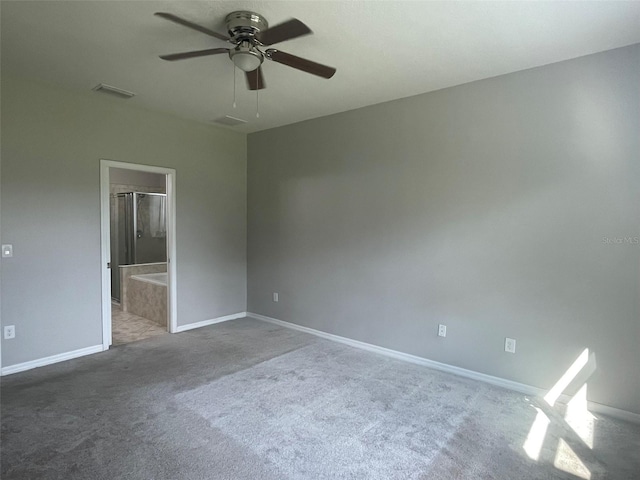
x: 244, y: 25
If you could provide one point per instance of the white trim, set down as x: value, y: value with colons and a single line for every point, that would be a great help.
x: 61, y: 357
x: 204, y: 323
x: 613, y: 412
x: 172, y: 290
x: 407, y: 357
x: 105, y: 241
x: 105, y: 254
x: 463, y: 372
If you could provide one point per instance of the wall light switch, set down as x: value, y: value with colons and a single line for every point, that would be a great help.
x: 7, y: 251
x: 275, y: 297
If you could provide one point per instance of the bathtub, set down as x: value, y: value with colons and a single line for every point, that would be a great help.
x: 147, y: 296
x: 155, y: 278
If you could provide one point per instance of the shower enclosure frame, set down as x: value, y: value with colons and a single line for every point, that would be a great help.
x: 125, y: 227
x: 131, y: 215
x: 105, y: 242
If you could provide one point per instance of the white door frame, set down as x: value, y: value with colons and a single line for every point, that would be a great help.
x: 105, y: 243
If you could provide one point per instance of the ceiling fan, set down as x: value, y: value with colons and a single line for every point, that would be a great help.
x: 248, y: 33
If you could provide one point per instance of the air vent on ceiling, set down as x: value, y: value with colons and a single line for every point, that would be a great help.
x: 229, y: 120
x: 117, y: 92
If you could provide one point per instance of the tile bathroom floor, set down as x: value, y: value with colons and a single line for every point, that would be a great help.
x: 127, y: 327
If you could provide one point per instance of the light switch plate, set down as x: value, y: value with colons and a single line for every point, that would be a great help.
x: 7, y: 251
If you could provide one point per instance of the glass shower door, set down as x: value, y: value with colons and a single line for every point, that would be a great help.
x: 150, y: 228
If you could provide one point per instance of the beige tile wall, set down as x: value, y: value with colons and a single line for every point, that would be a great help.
x: 126, y: 271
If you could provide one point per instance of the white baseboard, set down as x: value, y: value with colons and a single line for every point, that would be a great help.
x: 204, y: 323
x: 61, y: 357
x: 613, y: 412
x: 463, y: 372
x: 41, y: 362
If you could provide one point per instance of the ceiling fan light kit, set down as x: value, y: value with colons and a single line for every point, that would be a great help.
x: 248, y: 32
x: 246, y: 57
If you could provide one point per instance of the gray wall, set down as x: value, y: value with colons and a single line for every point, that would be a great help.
x: 52, y: 143
x: 484, y: 207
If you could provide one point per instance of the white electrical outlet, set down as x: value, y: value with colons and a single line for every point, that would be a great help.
x: 9, y: 332
x: 7, y: 251
x: 442, y: 330
x: 275, y: 296
x: 510, y: 345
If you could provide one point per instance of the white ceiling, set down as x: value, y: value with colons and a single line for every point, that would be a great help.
x: 383, y: 50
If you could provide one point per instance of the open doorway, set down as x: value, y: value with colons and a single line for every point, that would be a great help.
x: 138, y: 250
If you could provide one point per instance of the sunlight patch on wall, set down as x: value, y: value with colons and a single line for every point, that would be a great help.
x: 567, y: 378
x: 567, y: 461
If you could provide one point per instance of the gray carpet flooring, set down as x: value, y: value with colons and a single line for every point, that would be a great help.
x: 250, y: 400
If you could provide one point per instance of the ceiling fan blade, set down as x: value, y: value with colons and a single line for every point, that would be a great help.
x: 195, y: 53
x: 255, y: 80
x: 193, y: 26
x: 284, y: 31
x: 300, y: 63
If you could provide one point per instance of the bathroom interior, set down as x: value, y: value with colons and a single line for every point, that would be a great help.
x: 138, y: 207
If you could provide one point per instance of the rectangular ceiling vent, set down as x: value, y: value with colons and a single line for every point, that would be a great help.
x: 230, y: 121
x: 117, y: 92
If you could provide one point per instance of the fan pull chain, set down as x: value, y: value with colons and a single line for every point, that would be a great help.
x: 234, y: 86
x: 257, y: 94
